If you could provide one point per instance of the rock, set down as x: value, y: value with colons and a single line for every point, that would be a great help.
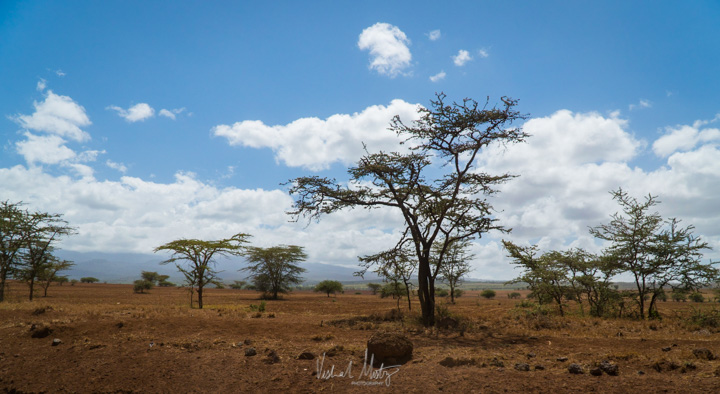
x: 641, y: 373
x: 496, y: 363
x: 389, y: 348
x: 522, y: 367
x: 334, y: 351
x: 539, y: 367
x: 119, y: 325
x: 703, y: 353
x: 41, y: 332
x: 609, y: 368
x: 575, y: 368
x: 531, y: 355
x: 562, y: 359
x: 272, y: 357
x: 250, y: 352
x: 665, y: 365
x: 248, y: 341
x: 306, y: 356
x: 666, y: 349
x: 56, y: 342
x: 38, y: 311
x: 596, y: 371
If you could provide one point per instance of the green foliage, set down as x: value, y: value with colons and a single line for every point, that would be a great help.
x: 329, y: 286
x: 696, y: 297
x: 705, y: 318
x: 73, y: 281
x: 679, y: 295
x: 452, y: 263
x: 441, y: 292
x: 141, y: 285
x: 394, y: 290
x: 274, y: 270
x: 89, y: 279
x: 514, y: 295
x: 655, y: 251
x: 258, y: 308
x: 458, y: 293
x: 199, y: 258
x: 488, y: 293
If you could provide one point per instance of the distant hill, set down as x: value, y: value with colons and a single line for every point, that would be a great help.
x: 126, y: 267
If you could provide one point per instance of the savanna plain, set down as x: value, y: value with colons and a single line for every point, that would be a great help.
x: 105, y: 338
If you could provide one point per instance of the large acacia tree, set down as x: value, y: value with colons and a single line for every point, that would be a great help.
x: 436, y: 185
x: 200, y: 256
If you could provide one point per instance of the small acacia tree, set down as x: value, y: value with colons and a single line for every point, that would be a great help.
x: 657, y: 252
x: 274, y: 270
x: 49, y: 273
x: 374, y: 287
x: 199, y: 257
x: 89, y: 279
x: 455, y: 266
x: 445, y: 142
x: 395, y: 266
x: 329, y: 286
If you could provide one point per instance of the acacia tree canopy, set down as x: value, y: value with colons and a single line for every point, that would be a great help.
x: 274, y: 270
x: 452, y: 206
x: 199, y: 257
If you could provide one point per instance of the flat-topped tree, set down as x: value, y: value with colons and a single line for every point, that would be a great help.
x: 199, y: 257
x: 274, y: 270
x: 452, y: 206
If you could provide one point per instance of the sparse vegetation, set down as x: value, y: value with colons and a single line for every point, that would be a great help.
x: 89, y: 279
x: 489, y: 294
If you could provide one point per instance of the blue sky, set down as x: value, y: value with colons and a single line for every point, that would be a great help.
x: 147, y: 121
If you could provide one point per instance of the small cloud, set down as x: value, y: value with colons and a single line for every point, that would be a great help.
x: 641, y: 104
x: 388, y: 46
x: 483, y: 53
x: 89, y: 155
x: 434, y: 35
x: 41, y: 85
x: 438, y: 77
x: 461, y: 58
x: 135, y: 113
x: 669, y: 93
x: 60, y: 73
x: 171, y: 113
x: 116, y: 166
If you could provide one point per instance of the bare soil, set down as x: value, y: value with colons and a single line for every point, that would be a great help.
x: 112, y: 340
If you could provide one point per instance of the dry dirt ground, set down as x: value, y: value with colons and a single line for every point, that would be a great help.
x: 115, y: 341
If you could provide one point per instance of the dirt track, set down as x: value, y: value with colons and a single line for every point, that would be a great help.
x: 117, y: 341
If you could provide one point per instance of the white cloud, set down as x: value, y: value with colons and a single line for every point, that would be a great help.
x: 135, y: 113
x: 388, y: 46
x: 116, y: 166
x: 438, y: 77
x: 48, y: 149
x: 60, y: 73
x: 483, y: 53
x: 434, y: 35
x: 41, y: 85
x: 58, y: 115
x: 461, y: 58
x: 641, y: 104
x: 171, y: 113
x: 315, y: 143
x: 684, y: 138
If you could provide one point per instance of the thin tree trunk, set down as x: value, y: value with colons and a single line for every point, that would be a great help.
x: 200, y: 302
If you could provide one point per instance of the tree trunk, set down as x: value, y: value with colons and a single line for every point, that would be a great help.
x: 32, y: 288
x: 452, y: 293
x: 426, y: 292
x: 200, y: 302
x: 3, y: 275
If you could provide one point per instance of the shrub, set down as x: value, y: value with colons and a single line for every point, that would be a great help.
x: 697, y: 297
x: 73, y: 281
x: 89, y: 279
x: 238, y: 284
x: 392, y: 290
x: 514, y: 295
x: 375, y: 287
x: 141, y: 285
x: 258, y: 308
x: 679, y: 295
x: 358, y: 293
x: 705, y: 318
x: 458, y: 293
x: 440, y: 292
x: 489, y: 294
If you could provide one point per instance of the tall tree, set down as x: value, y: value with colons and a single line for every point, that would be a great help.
x: 274, y: 270
x: 655, y: 251
x: 199, y: 257
x: 446, y: 141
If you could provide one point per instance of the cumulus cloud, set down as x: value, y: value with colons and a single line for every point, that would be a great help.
x: 388, y: 46
x: 434, y: 35
x: 461, y: 58
x: 135, y: 113
x: 171, y: 113
x: 41, y: 85
x: 48, y: 149
x: 683, y: 138
x: 438, y: 77
x: 58, y: 115
x: 316, y: 143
